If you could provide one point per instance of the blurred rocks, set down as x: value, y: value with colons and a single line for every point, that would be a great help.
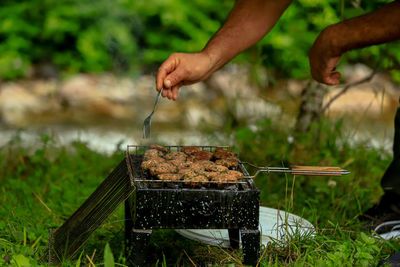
x: 17, y: 103
x: 232, y: 82
x: 295, y: 87
x: 92, y: 98
x: 84, y: 98
x: 241, y: 95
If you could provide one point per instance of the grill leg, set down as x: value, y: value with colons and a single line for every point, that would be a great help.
x: 138, y: 250
x: 234, y: 237
x: 128, y: 226
x: 136, y: 241
x: 251, y: 246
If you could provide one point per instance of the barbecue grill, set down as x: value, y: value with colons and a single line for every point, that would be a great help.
x: 159, y: 204
x: 165, y: 204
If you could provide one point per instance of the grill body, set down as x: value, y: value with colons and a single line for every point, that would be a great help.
x: 157, y: 205
x: 196, y: 209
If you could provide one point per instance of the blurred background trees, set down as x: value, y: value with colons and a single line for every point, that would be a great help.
x: 136, y: 35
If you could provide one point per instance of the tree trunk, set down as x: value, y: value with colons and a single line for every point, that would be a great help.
x: 311, y: 106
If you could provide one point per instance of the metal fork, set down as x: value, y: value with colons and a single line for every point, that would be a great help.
x: 147, y: 121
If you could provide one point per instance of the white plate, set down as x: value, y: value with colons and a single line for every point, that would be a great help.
x: 274, y: 225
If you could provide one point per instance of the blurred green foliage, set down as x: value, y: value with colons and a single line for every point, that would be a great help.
x: 74, y: 35
x: 132, y: 35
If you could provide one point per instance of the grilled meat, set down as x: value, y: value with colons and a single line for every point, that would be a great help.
x: 196, y: 180
x: 170, y: 176
x: 159, y: 148
x: 217, y: 168
x: 162, y: 168
x: 201, y: 155
x: 191, y: 164
x: 220, y: 153
x: 206, y: 164
x: 236, y: 174
x: 176, y: 156
x: 228, y: 162
x: 225, y: 177
x: 211, y: 175
x: 197, y: 167
x: 187, y: 173
x: 151, y: 163
x: 180, y: 164
x: 151, y: 154
x: 190, y: 149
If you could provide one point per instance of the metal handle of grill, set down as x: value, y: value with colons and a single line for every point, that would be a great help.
x: 301, y: 170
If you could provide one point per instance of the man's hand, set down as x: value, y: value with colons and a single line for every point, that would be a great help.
x: 247, y: 23
x: 182, y: 69
x: 323, y: 59
x: 378, y: 27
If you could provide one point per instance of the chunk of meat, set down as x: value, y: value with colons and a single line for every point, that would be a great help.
x: 218, y: 168
x: 151, y: 154
x: 211, y: 175
x: 212, y: 166
x: 163, y: 168
x: 179, y: 163
x: 229, y: 162
x: 201, y: 155
x: 170, y: 176
x: 238, y: 175
x: 197, y: 167
x: 151, y: 163
x: 190, y: 149
x: 206, y: 164
x: 159, y: 148
x: 187, y: 173
x: 196, y: 180
x: 224, y: 177
x: 176, y: 156
x: 221, y: 153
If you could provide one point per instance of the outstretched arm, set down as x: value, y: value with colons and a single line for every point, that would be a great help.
x: 247, y: 23
x: 380, y: 26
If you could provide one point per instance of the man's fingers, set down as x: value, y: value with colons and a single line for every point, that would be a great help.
x: 172, y: 93
x: 333, y: 78
x: 165, y: 92
x: 169, y: 95
x: 160, y: 78
x: 175, y: 77
x: 175, y: 91
x: 167, y: 67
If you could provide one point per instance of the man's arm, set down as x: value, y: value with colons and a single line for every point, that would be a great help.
x: 380, y: 26
x: 248, y: 22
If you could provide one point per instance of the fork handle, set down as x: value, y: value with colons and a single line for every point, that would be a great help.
x: 157, y: 99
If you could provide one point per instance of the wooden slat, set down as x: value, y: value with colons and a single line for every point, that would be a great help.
x: 110, y: 194
x: 313, y: 170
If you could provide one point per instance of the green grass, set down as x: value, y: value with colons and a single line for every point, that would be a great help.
x: 41, y: 187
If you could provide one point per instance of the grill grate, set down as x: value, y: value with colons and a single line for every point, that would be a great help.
x: 145, y: 179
